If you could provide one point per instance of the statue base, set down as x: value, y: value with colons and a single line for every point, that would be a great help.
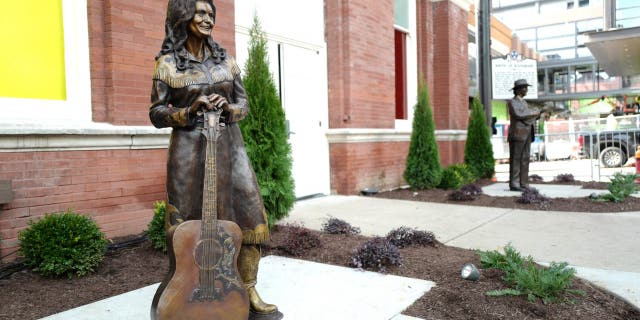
x: 277, y: 315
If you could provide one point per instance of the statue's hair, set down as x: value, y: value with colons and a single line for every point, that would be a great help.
x: 176, y: 31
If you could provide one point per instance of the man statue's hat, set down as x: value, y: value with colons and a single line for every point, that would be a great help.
x: 520, y: 83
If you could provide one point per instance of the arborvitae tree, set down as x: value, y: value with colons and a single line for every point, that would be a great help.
x: 264, y: 130
x: 423, y: 169
x: 478, y: 152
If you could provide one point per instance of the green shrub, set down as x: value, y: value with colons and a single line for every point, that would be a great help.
x: 156, y: 231
x: 524, y: 277
x: 265, y: 133
x: 455, y: 176
x: 620, y: 187
x: 478, y: 151
x: 62, y: 244
x: 423, y: 169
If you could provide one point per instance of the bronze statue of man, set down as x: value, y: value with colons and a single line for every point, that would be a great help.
x: 194, y: 74
x: 521, y: 134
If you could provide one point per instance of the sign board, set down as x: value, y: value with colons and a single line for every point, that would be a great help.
x: 506, y: 70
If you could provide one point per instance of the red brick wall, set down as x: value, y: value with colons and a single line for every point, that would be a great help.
x: 355, y: 166
x: 124, y: 37
x: 355, y: 58
x: 360, y: 49
x: 116, y: 188
x: 450, y: 67
x: 451, y: 152
x: 424, y: 23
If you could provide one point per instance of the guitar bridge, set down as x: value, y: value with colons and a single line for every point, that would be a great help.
x: 200, y: 295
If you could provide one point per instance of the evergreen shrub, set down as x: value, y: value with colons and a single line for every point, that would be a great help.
x: 62, y: 244
x: 455, y: 176
x: 156, y: 231
x: 264, y: 131
x: 423, y: 169
x: 478, y: 151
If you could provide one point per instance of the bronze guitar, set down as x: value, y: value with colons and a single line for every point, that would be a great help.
x: 203, y: 281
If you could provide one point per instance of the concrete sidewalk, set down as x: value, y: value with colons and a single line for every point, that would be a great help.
x: 301, y: 289
x: 602, y: 246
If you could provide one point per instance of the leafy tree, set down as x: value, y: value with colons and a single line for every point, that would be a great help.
x: 265, y: 132
x: 478, y: 152
x: 423, y: 169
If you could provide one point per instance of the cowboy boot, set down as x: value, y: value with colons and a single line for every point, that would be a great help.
x: 248, y: 268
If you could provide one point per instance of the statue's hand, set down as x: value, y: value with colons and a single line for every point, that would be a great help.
x: 175, y: 219
x: 201, y: 104
x: 219, y: 102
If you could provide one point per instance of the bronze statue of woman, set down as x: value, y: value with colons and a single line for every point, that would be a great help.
x: 194, y: 74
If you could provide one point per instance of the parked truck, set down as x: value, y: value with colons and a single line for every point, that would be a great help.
x: 613, y: 148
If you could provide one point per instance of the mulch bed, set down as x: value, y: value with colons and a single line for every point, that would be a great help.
x: 582, y: 204
x: 26, y: 295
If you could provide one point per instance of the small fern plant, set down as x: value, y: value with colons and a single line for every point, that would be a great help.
x: 524, y: 277
x: 620, y: 187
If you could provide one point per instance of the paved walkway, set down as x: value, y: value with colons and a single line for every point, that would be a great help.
x: 603, y: 247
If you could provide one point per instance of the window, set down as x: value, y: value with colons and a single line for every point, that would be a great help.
x: 569, y: 4
x: 58, y: 52
x: 526, y: 34
x: 583, y: 80
x: 559, y: 54
x: 583, y: 3
x: 34, y: 66
x: 556, y: 30
x: 583, y: 52
x: 546, y: 8
x: 628, y: 14
x: 401, y: 13
x: 589, y: 25
x: 401, y: 74
x: 556, y: 43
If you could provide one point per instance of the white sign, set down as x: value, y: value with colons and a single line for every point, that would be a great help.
x: 505, y: 71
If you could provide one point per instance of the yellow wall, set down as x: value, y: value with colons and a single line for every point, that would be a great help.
x: 32, y: 50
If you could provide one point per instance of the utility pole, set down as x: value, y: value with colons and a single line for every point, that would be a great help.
x: 484, y: 56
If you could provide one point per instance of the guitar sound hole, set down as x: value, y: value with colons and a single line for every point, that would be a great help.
x: 208, y: 253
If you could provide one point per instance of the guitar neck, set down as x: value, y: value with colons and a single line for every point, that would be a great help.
x: 209, y: 192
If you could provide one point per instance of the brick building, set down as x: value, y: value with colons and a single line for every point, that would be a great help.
x: 90, y: 145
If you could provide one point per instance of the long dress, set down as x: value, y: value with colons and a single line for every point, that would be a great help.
x: 238, y: 196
